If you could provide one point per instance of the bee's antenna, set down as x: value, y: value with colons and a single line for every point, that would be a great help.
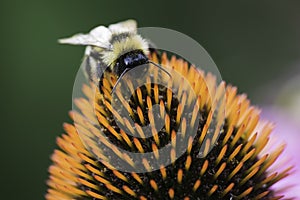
x: 160, y: 67
x: 119, y: 79
x: 127, y: 69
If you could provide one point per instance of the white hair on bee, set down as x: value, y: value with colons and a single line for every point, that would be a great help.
x: 127, y: 44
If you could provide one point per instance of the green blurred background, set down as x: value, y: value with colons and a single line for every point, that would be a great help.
x: 252, y: 42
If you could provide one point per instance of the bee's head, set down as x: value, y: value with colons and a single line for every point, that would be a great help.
x: 129, y: 60
x: 128, y: 51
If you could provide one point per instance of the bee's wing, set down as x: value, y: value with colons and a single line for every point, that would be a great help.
x: 98, y: 36
x: 125, y: 26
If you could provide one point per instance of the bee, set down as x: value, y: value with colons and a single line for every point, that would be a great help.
x: 117, y: 47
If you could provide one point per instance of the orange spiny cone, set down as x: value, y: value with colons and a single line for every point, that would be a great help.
x: 234, y: 168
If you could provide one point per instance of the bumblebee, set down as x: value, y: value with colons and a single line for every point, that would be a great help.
x: 118, y: 47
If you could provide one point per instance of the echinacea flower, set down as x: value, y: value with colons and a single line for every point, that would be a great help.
x: 234, y: 163
x: 282, y: 108
x: 288, y: 131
